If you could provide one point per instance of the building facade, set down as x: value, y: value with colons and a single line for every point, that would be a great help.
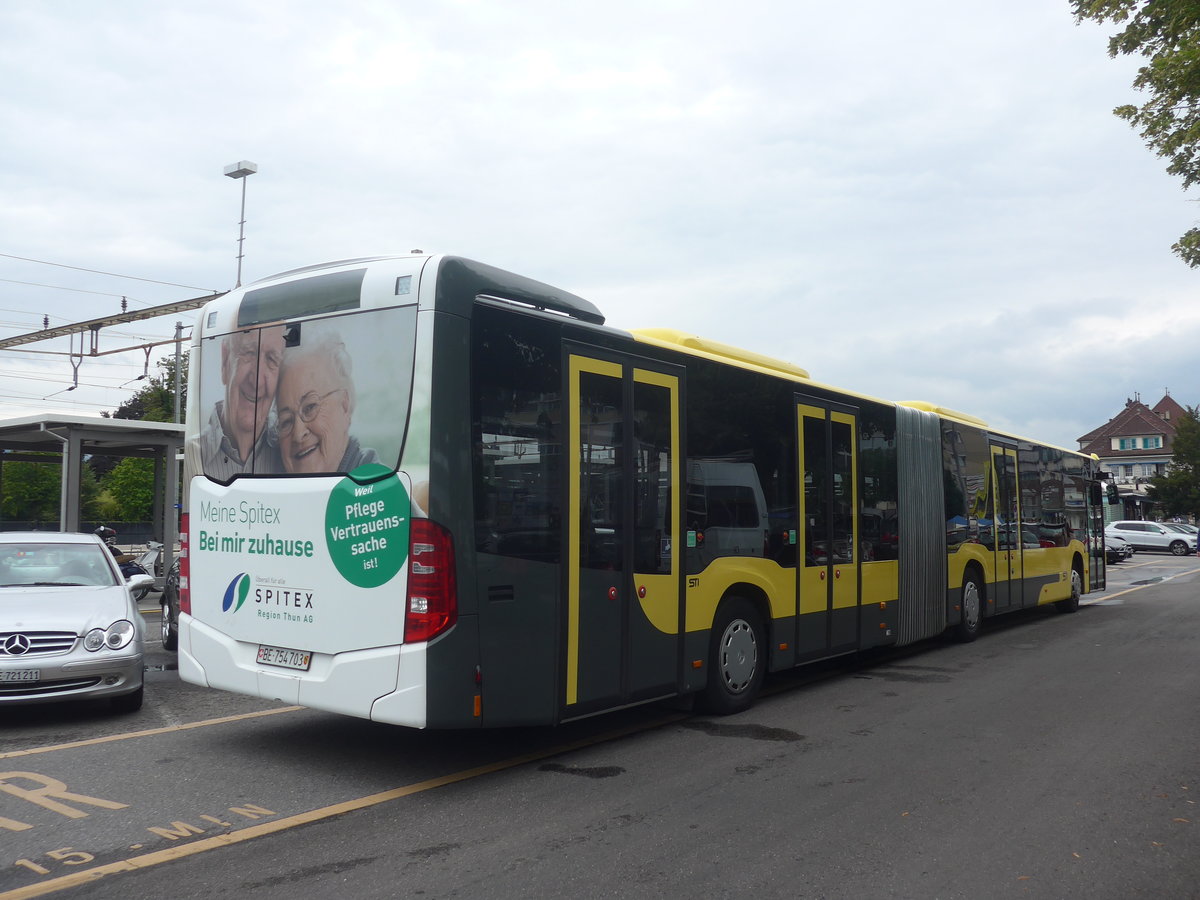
x: 1133, y: 447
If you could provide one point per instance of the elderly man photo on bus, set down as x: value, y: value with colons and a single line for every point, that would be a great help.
x: 315, y: 405
x: 236, y: 438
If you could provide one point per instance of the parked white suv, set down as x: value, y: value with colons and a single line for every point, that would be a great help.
x: 1152, y: 536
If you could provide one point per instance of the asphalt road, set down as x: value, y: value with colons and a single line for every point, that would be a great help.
x: 1057, y: 756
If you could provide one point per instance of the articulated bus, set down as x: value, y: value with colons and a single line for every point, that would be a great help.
x: 425, y: 491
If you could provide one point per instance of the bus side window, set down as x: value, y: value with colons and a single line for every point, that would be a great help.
x: 517, y: 434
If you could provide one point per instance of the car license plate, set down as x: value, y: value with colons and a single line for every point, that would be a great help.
x: 21, y: 675
x: 284, y: 658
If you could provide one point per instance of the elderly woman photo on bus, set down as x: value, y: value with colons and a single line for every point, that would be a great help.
x: 314, y: 408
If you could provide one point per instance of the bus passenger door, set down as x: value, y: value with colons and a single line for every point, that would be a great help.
x: 1093, y: 535
x: 828, y: 528
x: 1006, y: 530
x: 623, y: 635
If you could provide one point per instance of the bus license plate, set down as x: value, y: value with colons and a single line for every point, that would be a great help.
x: 21, y: 675
x: 284, y: 658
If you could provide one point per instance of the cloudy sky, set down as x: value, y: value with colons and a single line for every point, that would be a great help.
x: 929, y: 200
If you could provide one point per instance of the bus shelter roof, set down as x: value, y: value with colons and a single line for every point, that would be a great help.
x: 73, y: 437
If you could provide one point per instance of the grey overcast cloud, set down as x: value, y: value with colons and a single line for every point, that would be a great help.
x: 927, y: 200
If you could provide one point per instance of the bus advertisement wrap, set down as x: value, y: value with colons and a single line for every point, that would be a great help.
x: 272, y: 573
x: 302, y: 398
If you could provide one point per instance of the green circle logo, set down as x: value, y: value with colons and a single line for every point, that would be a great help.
x: 366, y: 528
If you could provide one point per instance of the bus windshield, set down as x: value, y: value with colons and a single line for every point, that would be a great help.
x: 294, y: 397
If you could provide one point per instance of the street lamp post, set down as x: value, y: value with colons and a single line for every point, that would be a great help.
x: 241, y: 170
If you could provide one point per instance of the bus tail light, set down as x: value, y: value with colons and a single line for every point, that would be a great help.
x: 432, y: 592
x: 184, y: 589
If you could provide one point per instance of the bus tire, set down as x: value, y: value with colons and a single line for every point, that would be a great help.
x: 971, y: 607
x: 737, y: 659
x: 1071, y: 604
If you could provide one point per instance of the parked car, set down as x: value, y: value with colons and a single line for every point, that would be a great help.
x: 170, y: 608
x: 69, y: 626
x: 1116, y: 548
x: 1182, y: 526
x: 1152, y: 536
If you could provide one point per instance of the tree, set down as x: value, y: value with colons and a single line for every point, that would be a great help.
x: 131, y: 486
x: 1179, y: 489
x: 32, y: 492
x: 155, y: 401
x: 90, y: 497
x: 1167, y: 34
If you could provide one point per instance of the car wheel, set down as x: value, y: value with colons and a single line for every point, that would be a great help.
x: 1071, y: 604
x: 140, y: 594
x: 170, y: 628
x: 736, y: 659
x: 971, y: 601
x: 128, y: 703
x: 1179, y: 548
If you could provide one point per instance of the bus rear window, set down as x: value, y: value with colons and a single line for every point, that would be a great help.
x: 335, y: 292
x: 304, y: 397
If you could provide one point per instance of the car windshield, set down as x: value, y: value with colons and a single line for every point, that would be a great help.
x: 61, y: 565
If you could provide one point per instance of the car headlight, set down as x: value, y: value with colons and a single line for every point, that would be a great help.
x: 114, y: 637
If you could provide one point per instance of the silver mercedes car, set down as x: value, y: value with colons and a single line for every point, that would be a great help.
x: 69, y: 628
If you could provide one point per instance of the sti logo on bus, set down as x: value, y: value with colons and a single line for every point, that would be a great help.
x: 239, y: 586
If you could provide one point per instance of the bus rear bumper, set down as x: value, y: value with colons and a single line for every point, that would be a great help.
x: 386, y: 684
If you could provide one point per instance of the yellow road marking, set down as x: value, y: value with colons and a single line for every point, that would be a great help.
x: 1138, y: 565
x: 170, y: 854
x: 1138, y: 587
x: 1111, y: 596
x: 9, y: 754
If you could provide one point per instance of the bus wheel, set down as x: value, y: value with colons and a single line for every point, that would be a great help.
x: 971, y: 602
x: 1071, y: 604
x: 736, y: 658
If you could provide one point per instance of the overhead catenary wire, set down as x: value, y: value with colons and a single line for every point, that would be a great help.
x: 59, y: 287
x: 112, y: 369
x: 190, y: 287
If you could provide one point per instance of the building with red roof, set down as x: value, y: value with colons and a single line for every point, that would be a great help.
x: 1134, y: 446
